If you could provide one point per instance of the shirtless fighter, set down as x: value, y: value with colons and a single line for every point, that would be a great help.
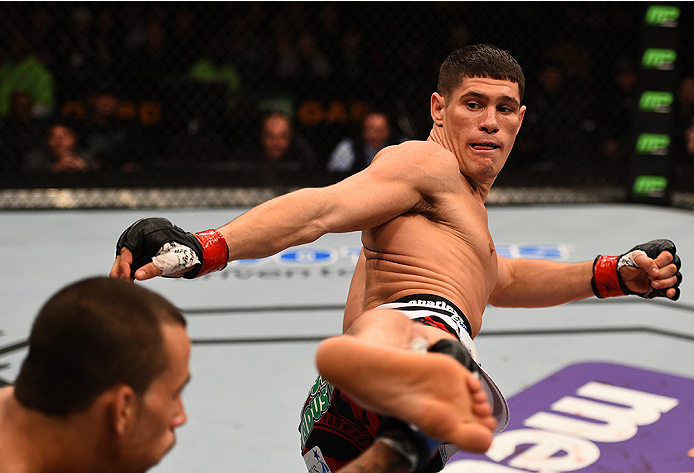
x: 426, y: 272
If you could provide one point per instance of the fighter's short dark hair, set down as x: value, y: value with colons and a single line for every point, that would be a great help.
x: 90, y: 336
x: 479, y: 60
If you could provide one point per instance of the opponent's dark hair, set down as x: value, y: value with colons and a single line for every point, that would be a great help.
x: 479, y: 60
x: 90, y: 336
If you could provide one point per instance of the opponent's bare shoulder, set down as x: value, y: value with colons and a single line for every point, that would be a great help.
x: 10, y: 460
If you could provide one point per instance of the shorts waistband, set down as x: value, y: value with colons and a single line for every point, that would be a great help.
x: 437, y: 304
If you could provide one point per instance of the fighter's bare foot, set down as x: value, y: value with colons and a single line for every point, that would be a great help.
x: 431, y: 390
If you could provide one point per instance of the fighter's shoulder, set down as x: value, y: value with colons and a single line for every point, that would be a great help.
x: 415, y: 152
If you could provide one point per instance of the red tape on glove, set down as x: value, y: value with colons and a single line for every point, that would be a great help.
x: 215, y: 252
x: 605, y: 281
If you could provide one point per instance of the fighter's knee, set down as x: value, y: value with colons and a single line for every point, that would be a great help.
x: 327, y: 352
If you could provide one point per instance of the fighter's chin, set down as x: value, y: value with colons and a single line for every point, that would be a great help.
x: 489, y: 168
x: 170, y: 447
x: 166, y: 448
x: 484, y: 172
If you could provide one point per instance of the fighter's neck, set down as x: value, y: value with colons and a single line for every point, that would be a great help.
x: 481, y: 188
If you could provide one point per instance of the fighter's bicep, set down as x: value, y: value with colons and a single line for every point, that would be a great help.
x: 368, y: 199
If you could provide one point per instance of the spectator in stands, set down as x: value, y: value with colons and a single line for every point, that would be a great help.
x: 689, y: 139
x: 217, y: 71
x: 353, y: 154
x: 280, y: 147
x: 551, y: 138
x: 41, y: 32
x: 134, y: 17
x: 153, y: 61
x: 19, y: 133
x: 76, y: 50
x: 330, y: 21
x: 59, y: 152
x: 106, y: 139
x: 683, y: 157
x: 571, y: 54
x: 188, y: 40
x: 217, y: 65
x: 107, y: 45
x: 616, y: 121
x: 24, y: 70
x: 86, y: 48
x: 684, y: 104
x: 301, y: 63
x: 351, y: 64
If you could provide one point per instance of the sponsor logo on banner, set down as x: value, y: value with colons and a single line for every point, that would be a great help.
x: 653, y: 144
x: 594, y: 417
x: 660, y: 59
x: 662, y: 15
x: 324, y: 262
x: 554, y: 251
x: 656, y: 101
x: 654, y: 186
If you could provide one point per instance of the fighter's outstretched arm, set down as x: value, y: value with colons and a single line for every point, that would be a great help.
x: 392, y: 185
x: 648, y: 270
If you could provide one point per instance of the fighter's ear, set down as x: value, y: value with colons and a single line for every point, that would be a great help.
x: 438, y: 105
x: 522, y: 115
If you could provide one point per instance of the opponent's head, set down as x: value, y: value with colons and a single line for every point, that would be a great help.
x: 89, y: 337
x: 114, y: 356
x: 479, y: 60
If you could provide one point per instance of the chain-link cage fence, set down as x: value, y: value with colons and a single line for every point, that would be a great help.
x: 122, y: 104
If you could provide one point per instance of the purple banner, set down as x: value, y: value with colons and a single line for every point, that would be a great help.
x: 594, y: 417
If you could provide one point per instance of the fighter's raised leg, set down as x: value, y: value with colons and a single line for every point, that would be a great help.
x: 433, y: 391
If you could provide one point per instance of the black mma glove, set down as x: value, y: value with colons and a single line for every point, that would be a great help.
x: 607, y: 280
x: 146, y: 237
x: 408, y: 440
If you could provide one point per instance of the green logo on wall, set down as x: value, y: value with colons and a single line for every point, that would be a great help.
x: 652, y: 186
x: 663, y: 59
x: 654, y: 101
x: 652, y: 143
x: 662, y: 15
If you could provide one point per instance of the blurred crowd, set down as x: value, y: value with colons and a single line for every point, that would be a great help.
x: 134, y: 86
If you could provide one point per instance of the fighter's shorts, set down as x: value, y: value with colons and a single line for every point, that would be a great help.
x: 335, y: 430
